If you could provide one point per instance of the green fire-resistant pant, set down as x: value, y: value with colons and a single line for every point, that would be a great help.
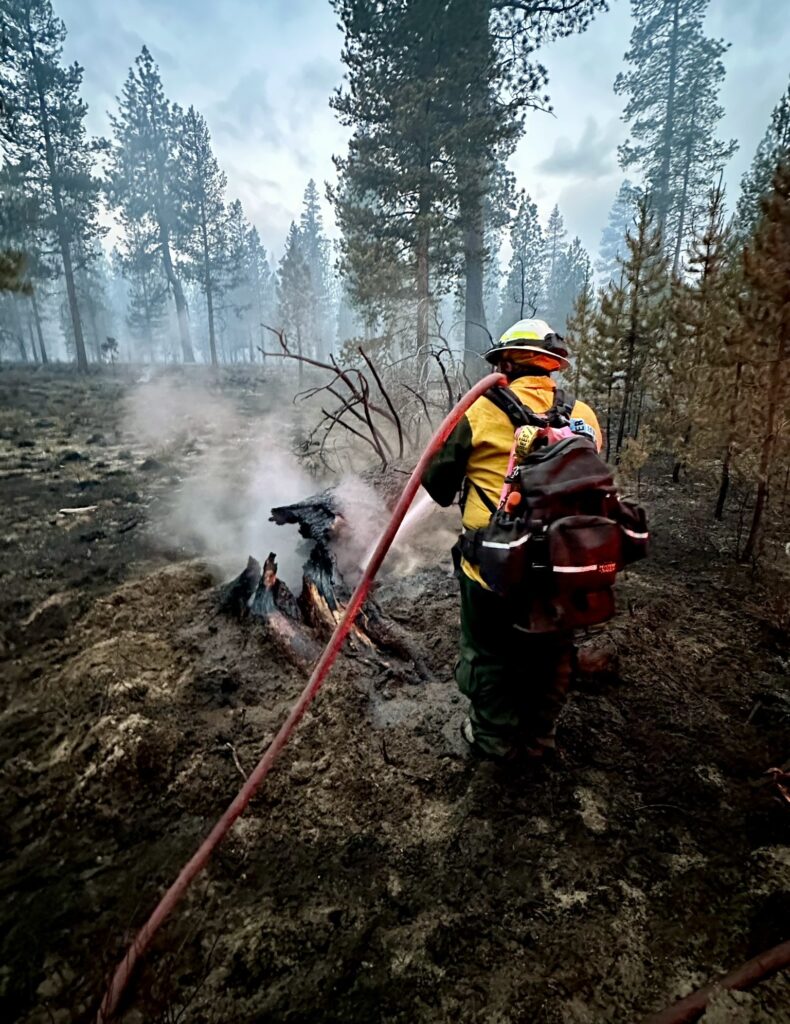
x: 516, y: 681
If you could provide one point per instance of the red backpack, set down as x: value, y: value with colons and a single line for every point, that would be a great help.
x: 556, y: 544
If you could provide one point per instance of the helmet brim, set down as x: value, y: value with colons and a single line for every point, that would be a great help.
x: 493, y: 355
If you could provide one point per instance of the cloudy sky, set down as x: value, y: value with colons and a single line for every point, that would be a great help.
x: 261, y: 71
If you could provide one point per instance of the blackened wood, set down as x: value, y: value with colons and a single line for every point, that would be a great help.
x: 234, y: 597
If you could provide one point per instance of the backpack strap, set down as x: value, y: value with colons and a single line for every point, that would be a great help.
x: 489, y: 504
x: 469, y: 485
x: 562, y: 409
x: 520, y: 415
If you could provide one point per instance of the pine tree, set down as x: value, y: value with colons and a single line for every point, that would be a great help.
x: 645, y: 282
x: 498, y: 79
x: 612, y: 246
x: 581, y: 329
x: 146, y: 313
x: 91, y: 276
x: 554, y: 268
x: 293, y: 284
x: 575, y: 269
x: 491, y: 129
x: 436, y: 97
x: 766, y: 315
x: 138, y: 260
x: 248, y: 285
x: 394, y: 200
x: 757, y: 182
x: 701, y: 314
x: 701, y: 155
x: 236, y: 283
x: 143, y: 174
x: 201, y: 213
x: 522, y: 294
x: 672, y: 107
x: 263, y: 285
x: 605, y: 358
x: 44, y: 137
x: 318, y: 297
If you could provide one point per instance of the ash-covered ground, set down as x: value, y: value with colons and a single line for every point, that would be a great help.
x: 380, y: 875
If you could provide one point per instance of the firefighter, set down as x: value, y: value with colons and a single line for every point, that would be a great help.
x: 516, y: 681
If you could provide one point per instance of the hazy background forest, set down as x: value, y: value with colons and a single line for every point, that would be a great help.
x: 423, y: 242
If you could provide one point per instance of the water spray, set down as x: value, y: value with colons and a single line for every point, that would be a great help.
x: 416, y: 515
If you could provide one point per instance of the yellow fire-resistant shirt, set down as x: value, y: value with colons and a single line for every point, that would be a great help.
x: 479, y: 449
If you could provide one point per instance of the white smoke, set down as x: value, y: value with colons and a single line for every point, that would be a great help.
x: 165, y: 409
x: 235, y: 468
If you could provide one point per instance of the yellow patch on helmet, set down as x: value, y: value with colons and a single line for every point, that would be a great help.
x: 519, y: 334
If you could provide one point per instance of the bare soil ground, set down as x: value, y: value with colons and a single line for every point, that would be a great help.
x: 380, y: 875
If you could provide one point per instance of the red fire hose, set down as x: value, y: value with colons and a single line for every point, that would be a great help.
x: 692, y: 1007
x: 252, y: 785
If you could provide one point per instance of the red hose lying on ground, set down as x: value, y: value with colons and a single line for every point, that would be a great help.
x: 754, y: 970
x: 261, y: 770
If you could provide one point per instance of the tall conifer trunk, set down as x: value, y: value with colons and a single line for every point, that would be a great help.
x: 771, y: 411
x: 187, y: 352
x: 423, y: 280
x: 669, y: 123
x: 724, y: 484
x: 39, y: 331
x: 57, y: 200
x: 32, y: 340
x: 476, y: 339
x: 207, y: 284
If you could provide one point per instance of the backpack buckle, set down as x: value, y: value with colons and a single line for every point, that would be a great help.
x: 539, y: 549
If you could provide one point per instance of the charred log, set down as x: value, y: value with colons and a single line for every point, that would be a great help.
x: 389, y: 638
x: 272, y: 594
x: 234, y: 598
x: 317, y: 516
x: 318, y: 601
x: 297, y: 625
x: 276, y: 608
x: 314, y: 516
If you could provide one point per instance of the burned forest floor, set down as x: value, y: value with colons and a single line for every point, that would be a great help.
x: 381, y: 875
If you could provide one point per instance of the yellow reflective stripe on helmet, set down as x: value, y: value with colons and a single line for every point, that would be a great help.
x: 520, y: 336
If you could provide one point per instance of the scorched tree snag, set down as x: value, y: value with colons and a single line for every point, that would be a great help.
x: 298, y: 625
x: 315, y: 516
x: 259, y: 594
x: 272, y: 595
x: 358, y: 414
x: 234, y: 597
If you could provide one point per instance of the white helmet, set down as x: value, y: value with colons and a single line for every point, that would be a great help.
x: 531, y: 336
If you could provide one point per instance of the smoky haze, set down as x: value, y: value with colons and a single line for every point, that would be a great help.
x: 238, y: 467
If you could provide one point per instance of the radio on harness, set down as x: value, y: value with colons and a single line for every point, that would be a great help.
x: 561, y: 533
